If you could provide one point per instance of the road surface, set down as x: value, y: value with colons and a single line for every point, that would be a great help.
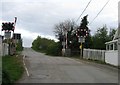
x: 48, y: 69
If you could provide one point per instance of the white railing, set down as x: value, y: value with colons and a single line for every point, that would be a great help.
x: 94, y: 54
x: 111, y: 57
x: 3, y: 49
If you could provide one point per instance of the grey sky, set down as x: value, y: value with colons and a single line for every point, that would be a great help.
x: 38, y: 17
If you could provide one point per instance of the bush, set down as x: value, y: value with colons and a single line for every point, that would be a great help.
x: 53, y: 49
x: 5, y: 78
x: 19, y: 46
x: 48, y: 46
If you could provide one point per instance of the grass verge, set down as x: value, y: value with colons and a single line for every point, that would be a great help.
x: 12, y: 69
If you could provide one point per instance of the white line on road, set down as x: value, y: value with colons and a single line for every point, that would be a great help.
x: 25, y: 66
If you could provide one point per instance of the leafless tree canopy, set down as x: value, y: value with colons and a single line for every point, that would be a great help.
x: 63, y: 27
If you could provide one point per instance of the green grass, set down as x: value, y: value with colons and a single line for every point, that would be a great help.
x: 13, y: 67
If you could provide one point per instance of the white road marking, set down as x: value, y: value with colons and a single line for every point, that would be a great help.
x: 25, y: 66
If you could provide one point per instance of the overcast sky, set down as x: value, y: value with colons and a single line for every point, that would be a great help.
x: 38, y: 17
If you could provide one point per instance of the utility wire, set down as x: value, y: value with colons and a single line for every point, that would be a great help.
x: 99, y: 12
x: 84, y: 10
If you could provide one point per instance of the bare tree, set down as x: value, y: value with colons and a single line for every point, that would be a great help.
x: 61, y: 28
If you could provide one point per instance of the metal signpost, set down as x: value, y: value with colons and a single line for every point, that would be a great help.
x: 7, y: 27
x: 81, y: 40
x: 82, y: 33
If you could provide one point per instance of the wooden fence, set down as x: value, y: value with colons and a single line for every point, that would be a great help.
x: 94, y: 54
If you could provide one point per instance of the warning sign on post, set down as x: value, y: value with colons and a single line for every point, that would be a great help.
x: 82, y: 39
x: 7, y: 35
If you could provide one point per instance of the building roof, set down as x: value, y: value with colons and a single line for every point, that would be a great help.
x: 110, y: 42
x: 117, y: 34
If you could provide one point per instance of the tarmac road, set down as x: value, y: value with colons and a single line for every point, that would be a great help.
x: 48, y: 69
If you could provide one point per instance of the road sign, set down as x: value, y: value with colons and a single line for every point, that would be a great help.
x: 8, y: 26
x: 81, y: 39
x: 7, y: 35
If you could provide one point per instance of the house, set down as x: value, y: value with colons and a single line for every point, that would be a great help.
x: 112, y: 53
